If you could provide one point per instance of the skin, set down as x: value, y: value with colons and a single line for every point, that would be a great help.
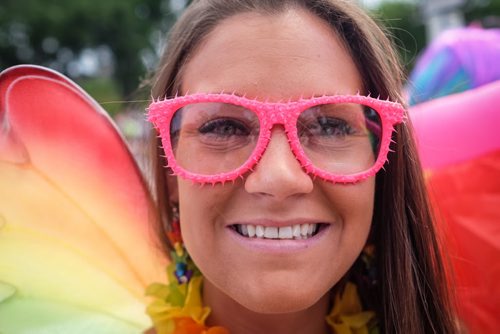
x: 278, y: 57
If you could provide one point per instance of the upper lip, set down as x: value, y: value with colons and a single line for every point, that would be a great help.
x: 278, y: 223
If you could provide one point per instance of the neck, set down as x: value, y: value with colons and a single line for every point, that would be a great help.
x: 238, y: 319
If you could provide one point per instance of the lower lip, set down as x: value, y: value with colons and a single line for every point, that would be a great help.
x: 278, y: 245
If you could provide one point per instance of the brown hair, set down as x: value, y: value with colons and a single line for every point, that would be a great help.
x: 412, y: 294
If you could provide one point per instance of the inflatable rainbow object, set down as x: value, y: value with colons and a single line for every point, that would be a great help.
x: 456, y: 61
x: 459, y: 144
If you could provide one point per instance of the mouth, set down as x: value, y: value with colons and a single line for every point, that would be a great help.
x: 290, y: 232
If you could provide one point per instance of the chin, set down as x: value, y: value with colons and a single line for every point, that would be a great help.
x: 279, y: 301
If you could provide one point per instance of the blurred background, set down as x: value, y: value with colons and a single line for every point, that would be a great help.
x: 110, y: 47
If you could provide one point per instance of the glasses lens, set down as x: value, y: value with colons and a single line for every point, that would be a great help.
x: 213, y: 138
x: 342, y: 139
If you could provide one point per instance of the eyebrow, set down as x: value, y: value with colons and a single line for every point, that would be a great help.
x: 282, y: 100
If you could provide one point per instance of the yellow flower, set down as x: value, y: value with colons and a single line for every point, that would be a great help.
x: 347, y: 315
x: 178, y: 309
x: 164, y: 314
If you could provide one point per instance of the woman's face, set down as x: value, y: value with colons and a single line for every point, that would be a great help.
x: 274, y: 58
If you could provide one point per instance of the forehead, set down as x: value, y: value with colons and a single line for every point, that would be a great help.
x: 272, y: 56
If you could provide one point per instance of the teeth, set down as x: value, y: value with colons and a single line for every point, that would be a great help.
x: 270, y: 232
x: 298, y: 231
x: 285, y: 232
x: 251, y: 231
x: 304, y: 228
x: 309, y: 229
x: 259, y: 231
x: 244, y: 230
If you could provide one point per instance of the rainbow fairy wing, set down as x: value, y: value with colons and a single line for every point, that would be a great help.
x: 76, y: 250
x: 459, y: 145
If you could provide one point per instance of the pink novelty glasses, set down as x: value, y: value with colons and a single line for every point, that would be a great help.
x: 210, y: 138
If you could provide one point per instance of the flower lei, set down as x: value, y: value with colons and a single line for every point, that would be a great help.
x: 177, y: 306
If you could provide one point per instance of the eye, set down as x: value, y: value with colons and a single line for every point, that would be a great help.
x: 328, y: 126
x: 224, y: 127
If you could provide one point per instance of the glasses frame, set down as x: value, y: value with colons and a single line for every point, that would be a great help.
x: 160, y: 113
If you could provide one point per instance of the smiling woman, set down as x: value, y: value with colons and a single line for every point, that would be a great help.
x: 278, y: 187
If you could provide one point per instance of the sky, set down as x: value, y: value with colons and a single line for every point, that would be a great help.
x: 375, y: 3
x: 370, y: 3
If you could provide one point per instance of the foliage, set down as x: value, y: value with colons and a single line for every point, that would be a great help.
x: 487, y: 12
x: 104, y: 90
x: 403, y: 19
x: 406, y: 28
x: 53, y: 33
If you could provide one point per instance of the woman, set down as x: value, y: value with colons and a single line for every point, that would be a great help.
x: 287, y: 204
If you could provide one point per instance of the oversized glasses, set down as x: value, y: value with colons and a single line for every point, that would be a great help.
x: 210, y: 138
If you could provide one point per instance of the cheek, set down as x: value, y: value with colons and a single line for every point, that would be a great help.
x: 198, y: 210
x: 201, y: 209
x: 354, y: 203
x: 354, y: 206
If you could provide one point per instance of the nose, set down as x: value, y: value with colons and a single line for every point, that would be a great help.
x: 278, y: 173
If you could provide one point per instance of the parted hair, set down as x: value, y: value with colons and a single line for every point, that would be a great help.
x: 412, y: 294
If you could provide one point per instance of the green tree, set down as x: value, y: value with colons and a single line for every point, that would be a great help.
x: 404, y: 21
x: 486, y: 12
x: 54, y: 33
x: 404, y: 24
